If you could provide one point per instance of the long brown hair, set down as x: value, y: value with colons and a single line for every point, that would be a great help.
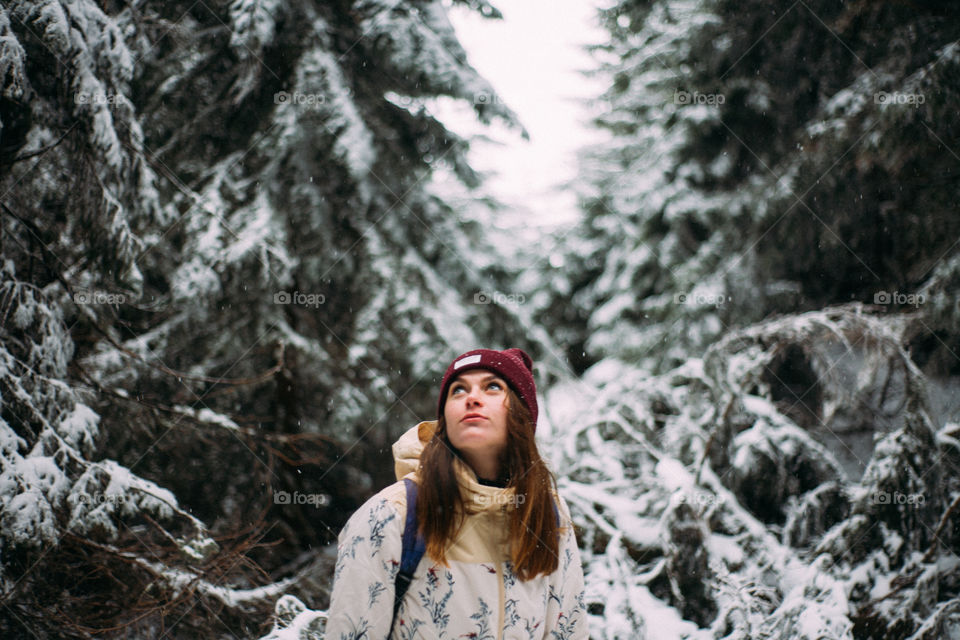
x: 534, y: 533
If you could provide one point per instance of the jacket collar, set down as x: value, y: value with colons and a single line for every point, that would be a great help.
x: 477, y: 497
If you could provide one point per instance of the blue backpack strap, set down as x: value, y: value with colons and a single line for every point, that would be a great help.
x: 414, y: 546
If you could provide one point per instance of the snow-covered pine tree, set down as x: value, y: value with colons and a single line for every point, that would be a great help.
x: 767, y: 160
x: 762, y: 158
x: 226, y: 274
x: 711, y: 507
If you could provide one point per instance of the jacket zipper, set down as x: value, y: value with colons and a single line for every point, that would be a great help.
x: 502, y: 598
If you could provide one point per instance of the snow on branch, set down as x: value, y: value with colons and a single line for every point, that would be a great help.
x: 717, y: 491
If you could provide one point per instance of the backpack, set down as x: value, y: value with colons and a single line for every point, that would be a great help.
x: 414, y: 546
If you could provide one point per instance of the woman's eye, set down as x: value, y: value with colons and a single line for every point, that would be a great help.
x: 456, y: 390
x: 495, y: 385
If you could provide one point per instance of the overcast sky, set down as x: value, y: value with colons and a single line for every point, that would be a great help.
x: 532, y: 58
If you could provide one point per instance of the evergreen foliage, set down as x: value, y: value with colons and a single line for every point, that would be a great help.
x: 226, y: 275
x: 238, y: 248
x: 763, y: 158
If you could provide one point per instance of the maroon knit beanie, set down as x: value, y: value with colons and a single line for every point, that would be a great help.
x: 514, y: 365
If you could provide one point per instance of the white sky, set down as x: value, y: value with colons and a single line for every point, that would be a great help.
x: 532, y: 58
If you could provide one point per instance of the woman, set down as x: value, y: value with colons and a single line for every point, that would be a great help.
x: 501, y: 560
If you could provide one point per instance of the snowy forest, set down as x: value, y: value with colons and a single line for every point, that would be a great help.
x: 239, y: 249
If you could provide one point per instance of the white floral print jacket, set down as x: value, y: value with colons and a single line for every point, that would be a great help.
x: 477, y: 596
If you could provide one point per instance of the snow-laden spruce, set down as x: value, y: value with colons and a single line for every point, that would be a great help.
x: 758, y: 159
x: 232, y: 267
x: 715, y: 500
x: 50, y: 484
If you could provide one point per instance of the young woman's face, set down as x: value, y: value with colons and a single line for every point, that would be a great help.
x: 476, y: 417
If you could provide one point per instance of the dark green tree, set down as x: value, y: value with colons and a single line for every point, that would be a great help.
x: 227, y: 273
x: 762, y: 158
